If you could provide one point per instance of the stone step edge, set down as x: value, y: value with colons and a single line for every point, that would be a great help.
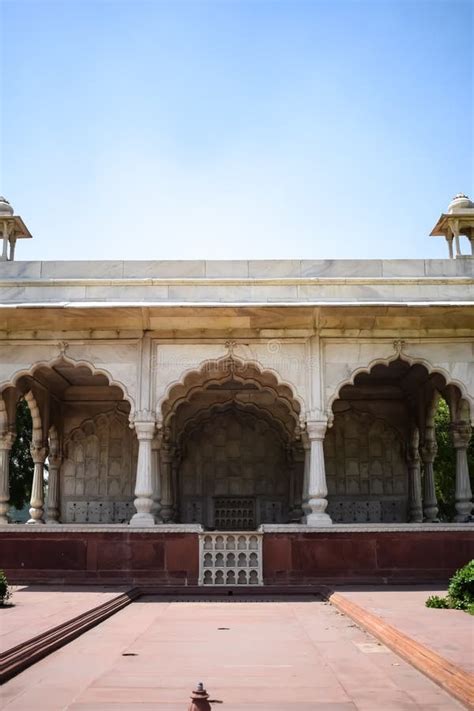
x: 18, y: 658
x: 451, y: 678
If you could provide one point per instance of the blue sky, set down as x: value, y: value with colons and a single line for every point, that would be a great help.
x: 232, y: 129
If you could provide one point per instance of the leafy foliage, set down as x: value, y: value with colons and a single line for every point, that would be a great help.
x: 445, y: 463
x: 5, y: 592
x: 21, y: 463
x: 461, y: 587
x: 437, y: 601
x: 460, y: 591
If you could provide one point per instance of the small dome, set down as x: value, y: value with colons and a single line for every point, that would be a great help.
x: 5, y: 207
x: 459, y: 203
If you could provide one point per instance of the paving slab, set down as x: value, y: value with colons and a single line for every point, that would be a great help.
x: 449, y: 633
x: 36, y: 609
x: 254, y: 655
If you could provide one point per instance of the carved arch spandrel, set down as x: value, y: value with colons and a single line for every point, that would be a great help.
x: 65, y: 358
x: 398, y: 352
x: 216, y: 370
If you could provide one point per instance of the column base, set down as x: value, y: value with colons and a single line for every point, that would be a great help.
x: 142, y: 519
x: 318, y: 519
x: 35, y: 521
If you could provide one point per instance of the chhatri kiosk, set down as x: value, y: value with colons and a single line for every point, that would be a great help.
x: 237, y: 422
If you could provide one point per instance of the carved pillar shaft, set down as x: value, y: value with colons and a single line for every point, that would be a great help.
x: 175, y: 486
x: 38, y: 454
x: 145, y: 429
x: 414, y: 476
x: 430, y: 502
x: 317, y: 487
x: 166, y: 485
x: 305, y: 492
x: 6, y: 443
x: 461, y: 433
x: 156, y: 473
x: 52, y: 503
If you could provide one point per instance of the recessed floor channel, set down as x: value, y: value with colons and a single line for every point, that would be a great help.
x: 273, y: 653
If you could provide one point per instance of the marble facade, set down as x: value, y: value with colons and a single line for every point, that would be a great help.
x: 235, y: 394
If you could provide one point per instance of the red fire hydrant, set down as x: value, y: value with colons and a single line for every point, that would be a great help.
x: 199, y: 700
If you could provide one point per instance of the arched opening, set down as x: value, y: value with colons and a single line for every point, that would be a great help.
x: 21, y: 463
x: 80, y: 433
x: 445, y: 462
x: 232, y: 449
x: 381, y: 448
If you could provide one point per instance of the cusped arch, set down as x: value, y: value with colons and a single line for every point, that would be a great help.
x: 3, y: 417
x: 218, y: 371
x: 63, y: 358
x: 430, y: 368
x: 254, y: 412
x: 37, y: 436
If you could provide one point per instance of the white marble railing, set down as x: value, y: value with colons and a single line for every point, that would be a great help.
x: 230, y: 559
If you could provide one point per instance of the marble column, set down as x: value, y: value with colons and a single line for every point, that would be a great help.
x: 156, y: 473
x: 461, y: 432
x: 307, y: 457
x: 317, y: 487
x: 52, y: 502
x: 295, y: 460
x: 414, y: 477
x: 166, y: 484
x: 38, y: 454
x: 175, y: 484
x: 6, y: 443
x: 145, y: 428
x: 430, y: 502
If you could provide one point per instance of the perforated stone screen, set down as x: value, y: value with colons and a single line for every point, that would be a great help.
x: 230, y: 559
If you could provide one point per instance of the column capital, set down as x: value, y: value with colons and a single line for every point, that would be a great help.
x: 7, y: 439
x: 54, y: 459
x: 144, y: 416
x: 316, y: 429
x: 144, y: 424
x: 461, y: 432
x: 429, y: 451
x: 167, y: 453
x: 413, y: 454
x: 38, y: 453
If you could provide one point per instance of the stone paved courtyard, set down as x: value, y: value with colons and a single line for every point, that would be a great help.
x: 298, y: 654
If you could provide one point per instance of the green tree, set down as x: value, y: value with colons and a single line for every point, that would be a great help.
x: 445, y: 463
x: 21, y: 463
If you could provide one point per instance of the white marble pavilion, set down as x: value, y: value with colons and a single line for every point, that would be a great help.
x: 240, y: 393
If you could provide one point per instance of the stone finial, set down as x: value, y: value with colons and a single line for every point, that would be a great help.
x: 5, y: 207
x: 459, y: 203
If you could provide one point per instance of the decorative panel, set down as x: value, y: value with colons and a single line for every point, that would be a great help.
x: 365, y: 469
x: 230, y: 559
x: 233, y: 457
x: 98, y: 471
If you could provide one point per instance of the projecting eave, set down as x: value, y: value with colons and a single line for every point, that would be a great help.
x: 442, y: 227
x: 227, y: 304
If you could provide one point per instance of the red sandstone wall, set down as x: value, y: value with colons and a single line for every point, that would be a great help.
x: 172, y: 559
x: 413, y: 556
x: 119, y: 557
